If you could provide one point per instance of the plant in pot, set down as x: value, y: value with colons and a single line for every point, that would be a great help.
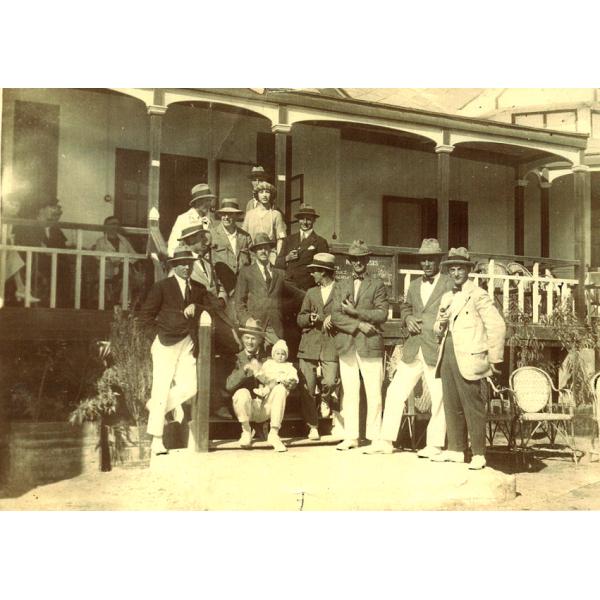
x: 118, y: 399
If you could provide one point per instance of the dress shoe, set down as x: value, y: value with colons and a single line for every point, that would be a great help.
x: 477, y: 462
x: 429, y: 452
x: 325, y: 410
x: 380, y: 447
x: 274, y: 440
x: 20, y: 296
x: 449, y: 456
x: 223, y: 413
x: 313, y: 434
x: 246, y: 439
x: 347, y: 445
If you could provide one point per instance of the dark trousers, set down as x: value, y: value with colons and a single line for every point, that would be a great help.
x: 308, y: 379
x: 463, y: 405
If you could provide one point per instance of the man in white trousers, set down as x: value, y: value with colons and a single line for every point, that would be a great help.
x: 171, y: 313
x: 419, y: 355
x: 360, y: 307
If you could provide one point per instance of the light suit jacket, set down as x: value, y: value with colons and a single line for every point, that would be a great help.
x: 478, y: 331
x: 223, y: 252
x: 187, y: 219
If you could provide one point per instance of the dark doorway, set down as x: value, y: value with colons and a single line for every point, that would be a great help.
x: 265, y: 152
x: 406, y: 221
x: 458, y: 234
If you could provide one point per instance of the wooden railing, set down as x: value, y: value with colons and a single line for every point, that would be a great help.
x: 78, y: 253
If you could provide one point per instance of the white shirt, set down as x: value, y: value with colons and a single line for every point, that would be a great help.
x: 305, y: 234
x: 182, y: 284
x: 326, y: 292
x: 427, y: 289
x: 232, y: 237
x: 357, y: 283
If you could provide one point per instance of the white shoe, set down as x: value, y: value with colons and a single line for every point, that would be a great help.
x: 246, y: 439
x: 380, y: 447
x: 347, y: 445
x: 429, y: 452
x: 325, y: 410
x: 477, y: 462
x: 157, y: 447
x: 275, y: 441
x: 313, y: 434
x: 449, y: 456
x: 20, y: 296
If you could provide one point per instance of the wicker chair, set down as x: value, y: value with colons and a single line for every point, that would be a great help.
x: 595, y: 385
x: 542, y: 407
x: 501, y: 412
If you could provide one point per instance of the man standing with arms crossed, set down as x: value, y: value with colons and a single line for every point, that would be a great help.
x: 419, y: 355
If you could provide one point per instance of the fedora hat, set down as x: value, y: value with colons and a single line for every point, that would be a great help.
x: 358, y: 248
x: 190, y: 231
x: 253, y: 327
x: 258, y: 172
x: 181, y: 255
x: 201, y: 192
x: 307, y: 210
x: 229, y: 205
x: 262, y: 239
x: 323, y: 260
x: 457, y: 256
x: 430, y: 247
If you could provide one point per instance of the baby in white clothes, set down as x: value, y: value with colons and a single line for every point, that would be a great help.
x: 276, y: 370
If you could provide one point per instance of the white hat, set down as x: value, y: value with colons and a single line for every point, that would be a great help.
x: 280, y: 345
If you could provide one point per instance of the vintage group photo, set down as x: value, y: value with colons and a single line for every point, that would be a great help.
x: 315, y: 299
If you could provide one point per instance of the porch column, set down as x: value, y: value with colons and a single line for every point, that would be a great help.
x: 582, y: 196
x: 443, y: 193
x: 545, y: 219
x: 281, y: 131
x: 156, y: 113
x: 211, y: 174
x: 520, y: 185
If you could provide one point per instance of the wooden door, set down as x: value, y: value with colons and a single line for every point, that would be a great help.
x: 406, y: 221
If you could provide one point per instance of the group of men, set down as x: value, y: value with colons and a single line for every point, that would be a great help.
x: 262, y: 286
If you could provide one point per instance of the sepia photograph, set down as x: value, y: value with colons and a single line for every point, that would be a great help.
x: 300, y: 299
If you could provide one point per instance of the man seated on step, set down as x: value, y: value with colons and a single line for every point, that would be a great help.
x: 243, y: 381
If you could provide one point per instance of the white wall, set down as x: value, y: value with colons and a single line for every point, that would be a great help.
x: 562, y: 218
x: 533, y: 218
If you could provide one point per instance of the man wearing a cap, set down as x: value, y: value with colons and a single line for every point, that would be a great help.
x: 360, y: 307
x: 231, y: 244
x: 257, y: 174
x: 317, y: 346
x: 199, y: 213
x: 243, y: 381
x: 419, y: 354
x: 265, y: 218
x: 472, y: 344
x: 170, y: 313
x: 258, y: 291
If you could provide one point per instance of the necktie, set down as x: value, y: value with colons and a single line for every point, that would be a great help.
x: 188, y: 292
x: 427, y: 279
x: 268, y: 277
x: 204, y: 267
x: 359, y: 277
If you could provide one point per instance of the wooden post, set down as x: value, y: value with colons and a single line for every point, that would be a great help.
x: 583, y: 243
x: 443, y: 193
x: 200, y: 406
x: 520, y: 185
x: 281, y: 132
x: 156, y: 113
x: 545, y: 219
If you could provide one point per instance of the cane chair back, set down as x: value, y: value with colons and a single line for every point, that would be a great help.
x: 501, y: 413
x: 595, y: 385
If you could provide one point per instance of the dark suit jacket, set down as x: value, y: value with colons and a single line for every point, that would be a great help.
x: 238, y: 378
x: 372, y: 306
x: 36, y: 236
x: 316, y: 343
x: 413, y: 305
x: 162, y: 312
x: 253, y: 299
x: 296, y: 271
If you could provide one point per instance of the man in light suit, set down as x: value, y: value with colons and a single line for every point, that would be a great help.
x: 360, y: 307
x: 472, y: 344
x: 199, y: 214
x: 419, y: 354
x: 317, y: 346
x: 258, y: 291
x: 230, y: 244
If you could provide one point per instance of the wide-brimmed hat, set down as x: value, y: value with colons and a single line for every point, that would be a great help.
x: 457, y: 256
x: 181, y: 255
x: 262, y: 239
x: 323, y: 260
x: 253, y: 327
x: 430, y: 247
x: 201, y: 192
x: 258, y: 172
x: 358, y: 248
x: 229, y: 206
x: 190, y: 231
x: 306, y: 210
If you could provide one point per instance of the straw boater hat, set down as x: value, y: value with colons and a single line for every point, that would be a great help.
x: 190, y: 231
x: 229, y: 206
x: 358, y: 248
x: 181, y: 255
x: 201, y: 192
x: 457, y: 256
x: 430, y: 247
x: 253, y: 327
x: 306, y: 210
x: 262, y: 239
x: 258, y: 173
x: 323, y: 260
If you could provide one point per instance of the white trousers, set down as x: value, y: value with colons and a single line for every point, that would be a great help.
x: 371, y: 369
x: 173, y: 380
x: 247, y: 408
x: 404, y: 380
